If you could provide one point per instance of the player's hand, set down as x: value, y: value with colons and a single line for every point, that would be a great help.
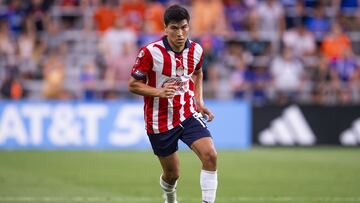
x: 205, y: 112
x: 168, y: 91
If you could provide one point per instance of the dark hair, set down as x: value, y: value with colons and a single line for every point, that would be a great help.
x: 175, y: 13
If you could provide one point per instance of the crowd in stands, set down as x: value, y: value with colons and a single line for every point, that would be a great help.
x: 262, y: 51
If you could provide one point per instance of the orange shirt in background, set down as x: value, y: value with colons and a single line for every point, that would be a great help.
x: 104, y: 18
x: 154, y: 17
x: 208, y: 17
x: 16, y: 90
x: 333, y: 47
x: 134, y: 11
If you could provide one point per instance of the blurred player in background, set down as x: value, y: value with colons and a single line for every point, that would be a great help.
x: 168, y: 74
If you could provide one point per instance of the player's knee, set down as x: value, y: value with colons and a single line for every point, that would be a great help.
x: 210, y: 158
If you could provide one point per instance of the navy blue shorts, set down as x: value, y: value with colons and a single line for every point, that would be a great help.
x: 190, y: 130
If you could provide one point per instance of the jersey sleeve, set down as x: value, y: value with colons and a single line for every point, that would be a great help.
x: 143, y: 65
x: 199, y: 65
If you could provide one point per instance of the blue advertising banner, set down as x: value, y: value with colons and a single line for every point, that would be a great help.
x: 106, y: 125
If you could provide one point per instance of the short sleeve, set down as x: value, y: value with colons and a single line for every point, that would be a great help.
x: 199, y: 65
x: 143, y: 64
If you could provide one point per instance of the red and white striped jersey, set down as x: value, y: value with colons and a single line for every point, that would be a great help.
x: 158, y: 64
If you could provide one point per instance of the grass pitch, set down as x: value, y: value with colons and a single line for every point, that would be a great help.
x: 259, y: 175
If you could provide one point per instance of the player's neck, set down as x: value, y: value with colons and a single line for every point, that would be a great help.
x: 175, y: 48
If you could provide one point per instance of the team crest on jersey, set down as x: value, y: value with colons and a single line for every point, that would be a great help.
x: 141, y: 54
x: 179, y: 71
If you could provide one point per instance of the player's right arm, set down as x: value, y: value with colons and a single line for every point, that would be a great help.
x: 139, y: 76
x: 139, y: 87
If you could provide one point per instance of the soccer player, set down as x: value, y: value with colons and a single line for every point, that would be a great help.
x: 168, y: 74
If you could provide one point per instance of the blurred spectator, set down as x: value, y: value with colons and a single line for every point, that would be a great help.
x: 147, y: 36
x: 318, y: 23
x: 54, y: 38
x: 288, y: 76
x: 345, y: 96
x: 117, y: 72
x: 104, y: 16
x: 118, y: 41
x: 250, y: 83
x: 54, y: 73
x: 240, y: 80
x: 236, y: 14
x: 322, y: 82
x: 302, y: 42
x: 70, y: 12
x: 15, y: 17
x: 347, y: 7
x: 89, y: 81
x: 208, y: 17
x: 348, y: 14
x: 345, y: 68
x: 259, y: 48
x: 209, y: 45
x: 134, y: 13
x: 211, y: 73
x: 260, y: 83
x: 269, y: 19
x: 233, y: 53
x: 153, y: 28
x: 12, y: 88
x: 335, y: 43
x: 235, y: 61
x: 38, y: 56
x: 295, y: 13
x: 87, y: 9
x: 26, y: 45
x: 38, y: 15
x: 7, y: 47
x: 118, y: 46
x: 154, y: 17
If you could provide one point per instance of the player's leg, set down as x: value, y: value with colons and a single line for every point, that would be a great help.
x: 165, y: 146
x: 205, y: 150
x: 168, y: 180
x: 198, y: 138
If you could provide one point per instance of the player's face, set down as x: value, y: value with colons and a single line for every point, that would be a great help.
x: 177, y: 33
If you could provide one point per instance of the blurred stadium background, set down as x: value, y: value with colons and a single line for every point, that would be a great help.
x: 282, y: 77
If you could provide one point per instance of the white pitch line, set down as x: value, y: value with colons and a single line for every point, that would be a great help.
x: 152, y: 199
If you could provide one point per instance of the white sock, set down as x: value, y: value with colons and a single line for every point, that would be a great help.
x: 208, y: 183
x: 169, y: 191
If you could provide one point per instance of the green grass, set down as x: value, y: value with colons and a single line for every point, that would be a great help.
x: 301, y: 175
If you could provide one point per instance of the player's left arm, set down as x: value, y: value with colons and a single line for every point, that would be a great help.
x: 200, y: 104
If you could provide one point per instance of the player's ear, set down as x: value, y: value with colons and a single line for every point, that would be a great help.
x: 165, y: 29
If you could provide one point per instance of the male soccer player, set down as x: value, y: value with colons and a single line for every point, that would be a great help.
x: 168, y: 74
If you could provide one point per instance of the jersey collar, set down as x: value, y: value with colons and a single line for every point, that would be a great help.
x: 168, y: 47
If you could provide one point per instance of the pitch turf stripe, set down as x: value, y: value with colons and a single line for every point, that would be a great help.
x: 152, y: 199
